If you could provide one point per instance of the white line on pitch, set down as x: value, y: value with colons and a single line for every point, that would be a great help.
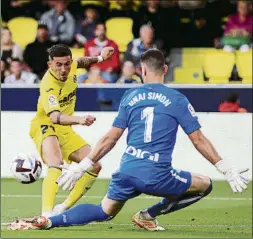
x: 140, y: 198
x: 168, y: 225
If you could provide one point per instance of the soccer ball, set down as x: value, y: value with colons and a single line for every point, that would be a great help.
x: 26, y: 168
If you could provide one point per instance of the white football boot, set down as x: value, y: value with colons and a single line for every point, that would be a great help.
x: 148, y: 224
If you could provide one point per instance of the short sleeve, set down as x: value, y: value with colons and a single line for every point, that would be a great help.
x: 121, y: 119
x: 186, y: 116
x: 49, y: 100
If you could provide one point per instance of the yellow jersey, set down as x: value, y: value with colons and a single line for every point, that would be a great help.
x: 56, y: 95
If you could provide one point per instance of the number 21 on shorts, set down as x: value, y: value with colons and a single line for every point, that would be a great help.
x: 148, y: 115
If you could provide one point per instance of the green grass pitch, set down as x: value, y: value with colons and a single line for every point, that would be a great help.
x: 221, y: 215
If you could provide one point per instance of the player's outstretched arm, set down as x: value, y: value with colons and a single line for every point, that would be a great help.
x: 237, y: 182
x: 204, y: 146
x: 59, y: 118
x: 68, y: 179
x: 85, y: 62
x: 105, y: 144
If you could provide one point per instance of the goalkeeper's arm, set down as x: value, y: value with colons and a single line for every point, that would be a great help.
x: 233, y: 175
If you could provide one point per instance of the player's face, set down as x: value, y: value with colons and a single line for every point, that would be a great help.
x: 61, y: 67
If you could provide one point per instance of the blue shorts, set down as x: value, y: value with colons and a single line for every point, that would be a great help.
x: 173, y: 183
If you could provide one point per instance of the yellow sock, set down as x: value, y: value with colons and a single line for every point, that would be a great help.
x: 81, y: 187
x: 50, y: 189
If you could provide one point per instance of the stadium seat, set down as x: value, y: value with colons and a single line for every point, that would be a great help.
x: 119, y: 29
x: 188, y: 76
x: 23, y: 30
x: 78, y: 52
x: 218, y: 66
x: 244, y: 66
x: 92, y: 2
x: 193, y: 57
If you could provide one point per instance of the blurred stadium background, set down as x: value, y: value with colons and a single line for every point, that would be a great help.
x: 208, y: 48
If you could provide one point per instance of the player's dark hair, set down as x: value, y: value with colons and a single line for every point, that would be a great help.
x: 154, y: 59
x: 233, y: 97
x: 59, y: 50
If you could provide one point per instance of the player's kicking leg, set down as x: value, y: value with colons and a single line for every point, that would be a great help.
x: 52, y: 156
x: 200, y: 187
x: 79, y: 215
x: 83, y: 184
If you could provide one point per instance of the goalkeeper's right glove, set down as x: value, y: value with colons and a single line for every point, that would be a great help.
x: 237, y: 182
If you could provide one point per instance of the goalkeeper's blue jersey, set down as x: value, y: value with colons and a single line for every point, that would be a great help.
x: 152, y: 114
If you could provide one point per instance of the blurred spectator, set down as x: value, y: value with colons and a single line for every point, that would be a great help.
x: 201, y: 31
x: 37, y: 8
x: 85, y: 28
x: 14, y: 8
x: 128, y: 74
x: 170, y: 27
x: 60, y: 22
x: 190, y: 4
x: 110, y: 67
x: 238, y: 30
x: 95, y: 77
x: 17, y: 8
x: 18, y: 75
x: 232, y: 104
x: 9, y: 49
x: 4, y: 71
x: 38, y: 50
x: 150, y: 14
x: 138, y: 46
x: 102, y: 7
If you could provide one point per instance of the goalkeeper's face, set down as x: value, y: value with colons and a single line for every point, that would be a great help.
x: 61, y: 67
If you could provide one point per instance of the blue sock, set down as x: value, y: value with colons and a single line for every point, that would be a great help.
x: 79, y: 215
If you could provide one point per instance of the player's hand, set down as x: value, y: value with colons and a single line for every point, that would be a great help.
x: 87, y: 120
x: 69, y: 178
x: 107, y: 52
x: 236, y: 180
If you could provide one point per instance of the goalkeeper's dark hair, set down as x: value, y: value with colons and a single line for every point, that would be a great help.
x: 154, y: 59
x: 59, y: 50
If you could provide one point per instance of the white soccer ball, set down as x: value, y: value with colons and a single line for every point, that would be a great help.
x: 26, y: 168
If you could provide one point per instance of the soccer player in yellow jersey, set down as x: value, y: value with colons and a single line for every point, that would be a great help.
x: 51, y: 128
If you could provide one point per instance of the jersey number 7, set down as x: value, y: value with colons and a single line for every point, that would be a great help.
x: 148, y: 114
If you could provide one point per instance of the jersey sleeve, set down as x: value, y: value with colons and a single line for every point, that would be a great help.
x: 121, y: 119
x: 186, y: 116
x: 49, y: 99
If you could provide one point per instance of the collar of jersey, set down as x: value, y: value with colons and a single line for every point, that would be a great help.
x: 56, y: 79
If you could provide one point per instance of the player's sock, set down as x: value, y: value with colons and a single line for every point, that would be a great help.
x: 81, y: 187
x: 79, y: 215
x: 50, y: 188
x: 167, y: 206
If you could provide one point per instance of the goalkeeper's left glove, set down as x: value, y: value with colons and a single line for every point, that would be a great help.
x: 73, y: 173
